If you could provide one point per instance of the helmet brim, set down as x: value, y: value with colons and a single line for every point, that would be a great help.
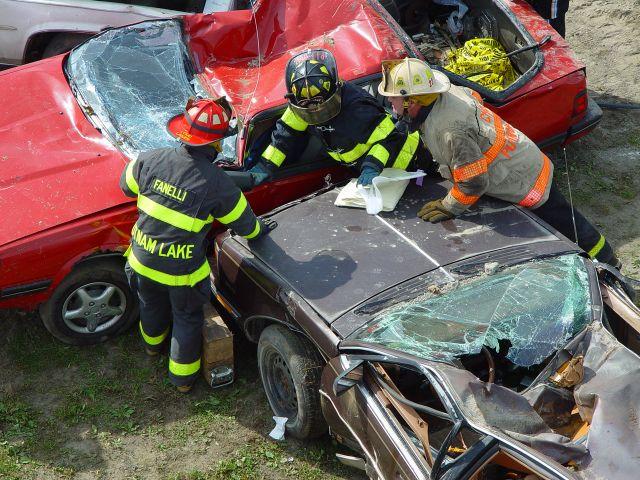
x: 441, y: 84
x: 178, y: 128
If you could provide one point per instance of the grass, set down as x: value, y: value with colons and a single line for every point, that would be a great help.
x: 90, y: 410
x: 37, y: 351
x: 22, y: 431
x: 590, y: 182
x: 18, y: 419
x: 261, y: 459
x: 10, y: 463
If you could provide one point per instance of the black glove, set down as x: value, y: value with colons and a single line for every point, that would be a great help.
x: 266, y: 225
x: 435, y: 212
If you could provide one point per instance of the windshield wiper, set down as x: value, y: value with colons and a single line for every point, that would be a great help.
x: 401, y: 293
x: 477, y: 266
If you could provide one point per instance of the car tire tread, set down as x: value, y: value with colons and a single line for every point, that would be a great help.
x: 305, y: 364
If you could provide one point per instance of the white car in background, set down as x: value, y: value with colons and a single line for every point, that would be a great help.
x: 35, y: 29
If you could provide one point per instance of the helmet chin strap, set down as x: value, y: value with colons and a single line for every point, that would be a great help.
x: 404, y: 120
x: 405, y: 110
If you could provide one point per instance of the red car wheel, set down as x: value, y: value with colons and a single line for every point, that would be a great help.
x: 91, y: 305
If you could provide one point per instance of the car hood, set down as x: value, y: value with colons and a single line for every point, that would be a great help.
x: 242, y: 54
x: 337, y: 258
x: 55, y: 166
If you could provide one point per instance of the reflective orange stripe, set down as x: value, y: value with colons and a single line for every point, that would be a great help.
x: 498, y: 144
x: 537, y: 192
x: 463, y: 197
x: 470, y: 170
x: 473, y: 169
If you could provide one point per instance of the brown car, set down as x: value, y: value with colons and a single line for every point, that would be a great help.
x: 488, y: 346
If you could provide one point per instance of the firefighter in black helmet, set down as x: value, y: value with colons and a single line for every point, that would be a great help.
x: 354, y: 128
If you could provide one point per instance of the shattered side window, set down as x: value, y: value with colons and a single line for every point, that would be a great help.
x: 134, y: 79
x: 532, y: 309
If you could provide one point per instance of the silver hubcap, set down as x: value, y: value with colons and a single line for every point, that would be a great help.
x: 94, y: 307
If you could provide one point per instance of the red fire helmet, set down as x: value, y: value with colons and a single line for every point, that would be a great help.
x: 203, y: 121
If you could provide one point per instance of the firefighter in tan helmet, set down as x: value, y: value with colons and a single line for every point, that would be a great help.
x: 480, y: 153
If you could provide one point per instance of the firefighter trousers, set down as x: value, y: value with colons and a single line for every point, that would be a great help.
x: 159, y: 305
x: 556, y: 211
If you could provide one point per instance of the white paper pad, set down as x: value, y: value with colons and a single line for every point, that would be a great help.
x: 382, y: 196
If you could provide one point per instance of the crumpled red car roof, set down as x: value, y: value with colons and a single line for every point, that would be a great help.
x: 226, y: 47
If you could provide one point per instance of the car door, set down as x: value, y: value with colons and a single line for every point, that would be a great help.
x: 361, y: 417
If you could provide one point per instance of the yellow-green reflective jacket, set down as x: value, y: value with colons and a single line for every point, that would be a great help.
x: 363, y: 133
x: 180, y: 193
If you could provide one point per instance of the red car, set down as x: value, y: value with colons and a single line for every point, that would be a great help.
x: 69, y: 125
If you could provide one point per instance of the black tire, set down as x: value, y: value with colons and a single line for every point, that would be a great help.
x: 74, y: 296
x: 290, y: 368
x: 63, y: 42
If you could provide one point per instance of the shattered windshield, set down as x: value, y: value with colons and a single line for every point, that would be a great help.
x: 532, y: 309
x: 134, y: 79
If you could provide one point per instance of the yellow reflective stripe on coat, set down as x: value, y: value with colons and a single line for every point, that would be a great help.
x: 407, y: 151
x: 597, y: 247
x: 379, y: 153
x: 184, y: 369
x: 131, y: 180
x: 382, y: 131
x: 274, y: 155
x: 189, y: 279
x: 255, y: 232
x: 350, y: 156
x: 172, y: 217
x: 235, y: 213
x: 292, y: 120
x: 153, y: 341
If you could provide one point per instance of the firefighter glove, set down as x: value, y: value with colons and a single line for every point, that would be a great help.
x: 260, y: 173
x: 367, y: 174
x: 266, y: 226
x: 435, y: 212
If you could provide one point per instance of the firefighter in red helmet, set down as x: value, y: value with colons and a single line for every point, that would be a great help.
x: 179, y: 194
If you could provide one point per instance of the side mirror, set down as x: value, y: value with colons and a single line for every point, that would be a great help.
x: 243, y: 180
x: 348, y: 378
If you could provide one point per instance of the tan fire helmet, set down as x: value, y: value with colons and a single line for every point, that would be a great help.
x: 410, y: 76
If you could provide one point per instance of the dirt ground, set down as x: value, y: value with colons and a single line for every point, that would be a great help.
x: 603, y: 167
x: 108, y: 412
